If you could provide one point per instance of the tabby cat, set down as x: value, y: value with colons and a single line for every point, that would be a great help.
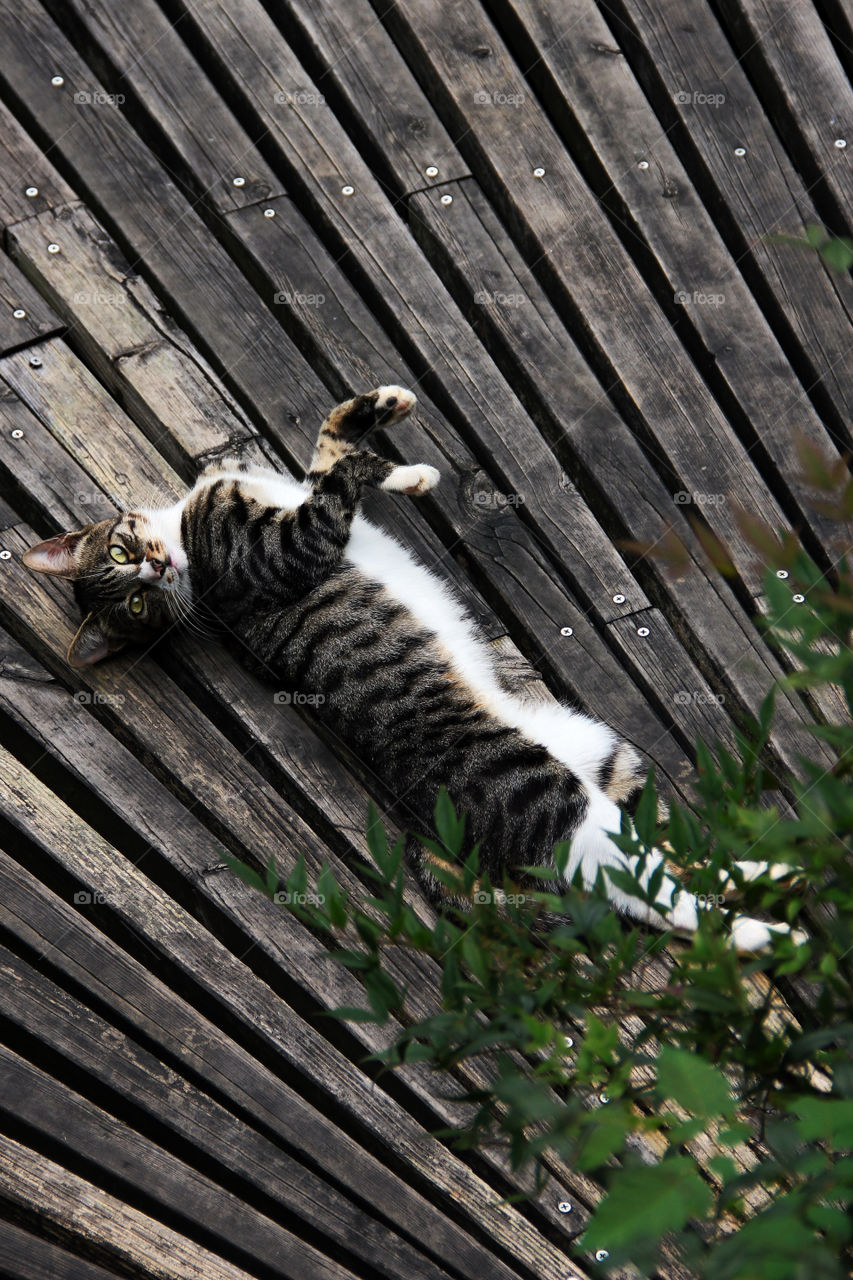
x: 312, y: 596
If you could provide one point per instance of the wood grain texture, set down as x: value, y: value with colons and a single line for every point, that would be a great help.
x: 752, y: 196
x: 111, y: 1231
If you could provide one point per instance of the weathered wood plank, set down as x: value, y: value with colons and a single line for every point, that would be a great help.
x: 472, y: 389
x: 214, y: 975
x: 804, y: 90
x: 680, y: 60
x: 124, y: 333
x: 184, y: 1040
x: 74, y: 407
x: 24, y: 1256
x: 24, y: 315
x: 628, y: 322
x: 111, y: 1231
x: 594, y: 97
x: 138, y: 1168
x: 476, y: 256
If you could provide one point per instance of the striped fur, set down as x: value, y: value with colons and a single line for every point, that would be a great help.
x: 319, y: 602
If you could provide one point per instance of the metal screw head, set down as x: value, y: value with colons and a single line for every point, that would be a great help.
x: 19, y: 313
x: 53, y: 248
x: 740, y: 151
x: 642, y: 631
x: 618, y: 598
x: 643, y: 164
x: 32, y: 192
x: 35, y: 361
x: 564, y: 1207
x: 5, y: 555
x: 269, y: 213
x: 447, y: 199
x: 57, y: 80
x: 569, y: 1042
x: 347, y: 191
x: 602, y: 1097
x: 431, y: 171
x: 238, y: 182
x: 799, y: 599
x: 539, y: 172
x: 17, y: 434
x: 841, y: 143
x: 566, y: 631
x: 781, y: 573
x: 601, y: 1255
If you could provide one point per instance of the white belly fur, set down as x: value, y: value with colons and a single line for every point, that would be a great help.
x: 572, y: 737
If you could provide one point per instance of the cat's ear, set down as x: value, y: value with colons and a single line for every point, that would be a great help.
x: 57, y: 555
x: 91, y: 644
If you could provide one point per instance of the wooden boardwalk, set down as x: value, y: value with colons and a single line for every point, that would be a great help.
x: 552, y: 221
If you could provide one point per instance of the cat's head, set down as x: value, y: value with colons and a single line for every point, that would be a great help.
x: 129, y: 575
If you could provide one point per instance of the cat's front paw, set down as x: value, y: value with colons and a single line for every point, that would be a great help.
x: 392, y: 404
x: 416, y: 479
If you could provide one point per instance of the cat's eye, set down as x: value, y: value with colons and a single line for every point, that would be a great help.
x: 136, y: 603
x: 119, y: 554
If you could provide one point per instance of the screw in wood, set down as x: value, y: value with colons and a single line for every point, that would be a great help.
x: 564, y: 1207
x: 781, y: 573
x: 566, y: 631
x: 601, y: 1255
x: 5, y: 555
x: 841, y: 143
x: 32, y: 192
x: 431, y: 171
x: 347, y: 191
x: 35, y: 361
x: 539, y: 172
x: 57, y: 80
x: 618, y: 598
x: 799, y: 599
x: 643, y: 164
x: 53, y: 248
x: 19, y: 313
x: 238, y: 182
x: 17, y: 434
x: 740, y: 151
x: 642, y: 631
x: 447, y: 199
x: 269, y: 213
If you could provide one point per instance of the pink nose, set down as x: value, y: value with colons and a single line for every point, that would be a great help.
x: 157, y: 564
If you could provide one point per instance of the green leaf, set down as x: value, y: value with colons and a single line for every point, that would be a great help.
x: 826, y: 1119
x: 646, y: 813
x: 838, y: 254
x: 693, y: 1083
x: 246, y: 873
x: 642, y: 1204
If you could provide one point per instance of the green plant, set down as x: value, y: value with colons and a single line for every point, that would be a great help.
x: 746, y: 1097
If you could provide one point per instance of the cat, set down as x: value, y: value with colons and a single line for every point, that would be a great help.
x: 309, y: 594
